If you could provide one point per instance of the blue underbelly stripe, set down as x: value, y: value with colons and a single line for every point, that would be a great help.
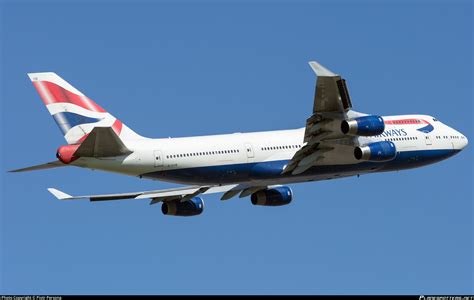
x: 235, y: 173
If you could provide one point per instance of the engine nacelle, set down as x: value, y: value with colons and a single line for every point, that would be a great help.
x: 188, y: 208
x: 66, y: 153
x: 379, y: 151
x: 363, y: 126
x: 278, y: 196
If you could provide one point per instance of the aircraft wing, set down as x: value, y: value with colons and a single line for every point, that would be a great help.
x: 181, y: 193
x: 332, y: 104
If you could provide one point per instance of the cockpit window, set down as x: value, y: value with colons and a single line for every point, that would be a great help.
x: 434, y: 119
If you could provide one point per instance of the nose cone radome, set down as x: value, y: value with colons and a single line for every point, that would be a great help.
x: 459, y: 140
x: 464, y: 142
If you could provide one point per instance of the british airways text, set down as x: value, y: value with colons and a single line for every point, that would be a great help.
x: 393, y: 132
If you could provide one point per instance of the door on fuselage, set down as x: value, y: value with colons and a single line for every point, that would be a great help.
x: 158, y: 157
x: 428, y: 140
x: 249, y: 151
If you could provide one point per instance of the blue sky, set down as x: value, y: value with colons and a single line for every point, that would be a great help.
x: 196, y: 68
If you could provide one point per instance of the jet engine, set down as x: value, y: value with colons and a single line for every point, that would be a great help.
x: 272, y: 197
x: 379, y: 151
x: 363, y: 126
x: 188, y: 208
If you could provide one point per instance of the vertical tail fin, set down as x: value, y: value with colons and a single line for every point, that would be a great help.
x: 75, y: 114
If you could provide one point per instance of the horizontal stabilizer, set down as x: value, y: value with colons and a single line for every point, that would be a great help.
x: 102, y: 142
x: 53, y: 164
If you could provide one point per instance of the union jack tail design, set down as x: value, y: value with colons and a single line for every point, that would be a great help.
x: 75, y: 114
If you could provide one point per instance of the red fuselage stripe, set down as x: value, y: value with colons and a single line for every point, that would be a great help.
x: 406, y: 122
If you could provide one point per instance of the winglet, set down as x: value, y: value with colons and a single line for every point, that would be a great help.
x: 58, y: 194
x: 320, y: 70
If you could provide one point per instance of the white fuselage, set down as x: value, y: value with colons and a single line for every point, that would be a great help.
x: 261, y: 156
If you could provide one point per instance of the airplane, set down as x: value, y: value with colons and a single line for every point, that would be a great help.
x: 336, y: 142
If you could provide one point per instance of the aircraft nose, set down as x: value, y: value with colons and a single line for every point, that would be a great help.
x: 464, y: 142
